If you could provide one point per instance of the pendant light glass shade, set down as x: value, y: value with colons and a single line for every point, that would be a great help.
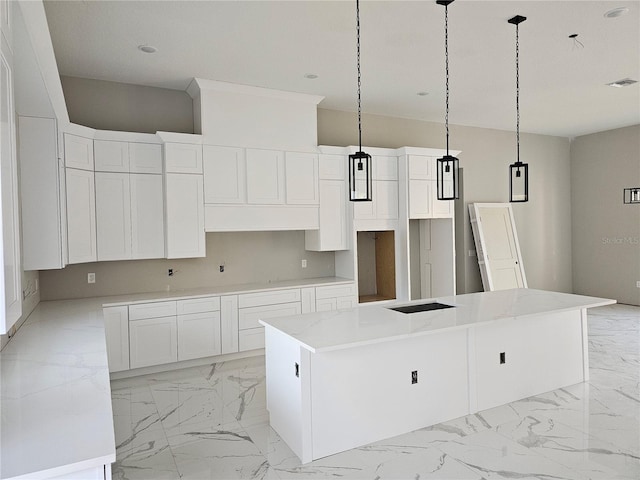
x: 360, y: 175
x: 518, y: 171
x: 448, y: 174
x: 360, y: 178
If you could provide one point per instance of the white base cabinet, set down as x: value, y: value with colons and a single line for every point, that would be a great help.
x: 153, y: 341
x: 198, y: 335
x: 116, y: 326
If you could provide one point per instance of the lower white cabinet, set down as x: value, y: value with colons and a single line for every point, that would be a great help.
x: 336, y: 297
x: 229, y: 323
x: 199, y: 335
x: 116, y: 326
x: 153, y: 341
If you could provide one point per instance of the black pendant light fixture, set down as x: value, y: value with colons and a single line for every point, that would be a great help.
x: 360, y: 178
x: 518, y: 171
x: 447, y: 166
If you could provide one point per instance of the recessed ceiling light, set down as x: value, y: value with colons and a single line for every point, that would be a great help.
x: 422, y: 94
x: 616, y: 12
x: 147, y: 48
x: 625, y: 82
x: 311, y: 76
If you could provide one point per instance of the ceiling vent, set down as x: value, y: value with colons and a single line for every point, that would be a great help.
x: 625, y: 82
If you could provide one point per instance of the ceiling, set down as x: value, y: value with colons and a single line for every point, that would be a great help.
x: 274, y: 44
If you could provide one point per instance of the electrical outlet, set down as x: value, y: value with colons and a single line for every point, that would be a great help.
x: 222, y: 268
x: 503, y: 358
x: 297, y: 370
x: 170, y: 272
x: 414, y: 377
x: 91, y: 277
x: 637, y: 284
x: 304, y: 263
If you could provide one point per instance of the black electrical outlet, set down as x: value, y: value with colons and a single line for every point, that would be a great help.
x: 297, y: 370
x: 503, y: 358
x: 414, y: 377
x: 170, y: 272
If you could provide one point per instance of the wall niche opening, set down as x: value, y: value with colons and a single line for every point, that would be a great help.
x: 376, y: 266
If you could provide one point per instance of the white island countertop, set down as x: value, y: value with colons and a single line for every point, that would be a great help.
x: 55, y: 397
x: 364, y: 325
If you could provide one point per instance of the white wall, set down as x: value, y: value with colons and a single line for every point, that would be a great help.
x: 606, y: 232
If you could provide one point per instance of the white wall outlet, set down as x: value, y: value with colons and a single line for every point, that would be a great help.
x: 638, y: 284
x: 304, y: 263
x: 91, y: 278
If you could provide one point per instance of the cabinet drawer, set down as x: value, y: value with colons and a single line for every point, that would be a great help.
x: 152, y: 310
x: 248, y: 317
x: 251, y: 339
x: 269, y: 298
x: 335, y: 291
x: 198, y: 305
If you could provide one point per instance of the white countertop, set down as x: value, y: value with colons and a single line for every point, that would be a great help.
x: 118, y: 300
x: 55, y: 397
x: 335, y: 330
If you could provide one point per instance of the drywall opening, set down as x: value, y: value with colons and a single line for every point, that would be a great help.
x: 376, y: 266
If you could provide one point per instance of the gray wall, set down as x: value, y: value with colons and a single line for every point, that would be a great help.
x: 249, y: 257
x: 606, y: 233
x: 543, y: 224
x: 130, y: 108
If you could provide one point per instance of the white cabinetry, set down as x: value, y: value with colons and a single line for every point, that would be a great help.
x: 78, y: 152
x: 332, y: 234
x: 229, y: 323
x: 384, y: 204
x: 301, y: 173
x: 81, y: 215
x: 265, y: 177
x: 336, y: 297
x: 111, y: 156
x: 153, y: 341
x: 423, y: 194
x: 147, y: 216
x: 184, y: 201
x: 145, y: 158
x: 224, y: 174
x: 11, y: 271
x: 116, y: 326
x: 113, y: 216
x: 257, y: 306
x: 198, y: 328
x: 43, y: 202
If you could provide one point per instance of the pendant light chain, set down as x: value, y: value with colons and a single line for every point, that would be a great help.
x: 446, y: 64
x: 517, y: 96
x: 359, y: 78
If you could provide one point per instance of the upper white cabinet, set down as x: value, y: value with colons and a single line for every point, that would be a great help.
x: 423, y: 195
x: 78, y: 152
x: 265, y: 177
x: 81, y: 215
x: 145, y: 158
x: 43, y: 202
x: 224, y: 175
x: 113, y: 216
x: 384, y: 204
x: 6, y: 20
x: 147, y: 216
x: 301, y: 173
x: 183, y: 158
x: 111, y: 156
x: 11, y: 272
x: 184, y: 216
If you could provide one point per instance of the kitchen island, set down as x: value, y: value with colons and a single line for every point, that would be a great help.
x: 342, y: 379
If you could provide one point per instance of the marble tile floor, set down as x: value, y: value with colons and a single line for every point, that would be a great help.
x: 211, y: 423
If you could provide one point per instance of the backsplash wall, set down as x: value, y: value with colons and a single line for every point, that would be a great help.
x: 248, y: 257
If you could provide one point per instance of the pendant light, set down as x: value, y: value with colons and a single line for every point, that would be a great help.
x: 360, y: 178
x: 447, y: 166
x: 518, y: 171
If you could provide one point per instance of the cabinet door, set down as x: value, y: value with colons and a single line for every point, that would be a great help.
x: 183, y: 158
x: 81, y: 216
x: 332, y: 234
x: 421, y: 197
x: 301, y: 178
x: 40, y: 191
x: 265, y: 177
x: 332, y: 167
x: 78, y: 152
x: 308, y: 299
x: 147, y: 216
x: 111, y: 156
x: 229, y: 323
x: 6, y: 20
x: 421, y: 168
x: 199, y: 335
x: 251, y: 339
x: 145, y: 158
x: 326, y: 304
x: 441, y: 208
x: 113, y: 216
x: 116, y: 327
x: 184, y: 216
x: 248, y: 317
x: 385, y: 168
x: 346, y: 302
x: 11, y: 273
x: 386, y: 199
x: 224, y: 175
x: 153, y: 341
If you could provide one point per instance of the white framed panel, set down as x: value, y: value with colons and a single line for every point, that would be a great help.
x: 152, y: 310
x: 265, y: 177
x: 301, y: 174
x: 81, y: 215
x: 145, y: 158
x: 113, y: 216
x: 199, y: 335
x: 78, y: 152
x: 147, y: 216
x: 116, y: 326
x: 111, y: 156
x: 248, y: 317
x: 183, y: 158
x: 225, y: 175
x: 153, y: 342
x: 270, y: 297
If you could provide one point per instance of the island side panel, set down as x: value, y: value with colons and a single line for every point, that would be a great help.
x: 364, y: 394
x: 522, y: 357
x: 288, y: 413
x: 585, y: 344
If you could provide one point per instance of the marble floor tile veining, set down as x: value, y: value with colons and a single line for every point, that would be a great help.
x: 211, y: 423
